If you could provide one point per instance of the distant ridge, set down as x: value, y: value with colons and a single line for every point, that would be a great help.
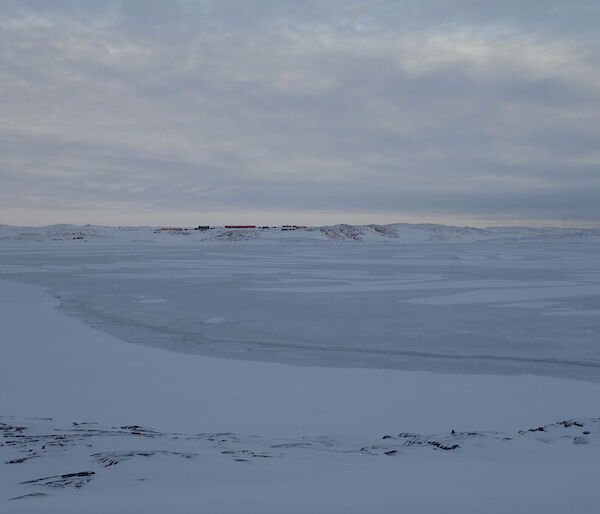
x: 392, y: 233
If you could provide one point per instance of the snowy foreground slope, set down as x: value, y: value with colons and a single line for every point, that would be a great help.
x: 91, y: 424
x: 425, y: 377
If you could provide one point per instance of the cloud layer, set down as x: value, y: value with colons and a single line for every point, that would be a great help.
x: 459, y: 110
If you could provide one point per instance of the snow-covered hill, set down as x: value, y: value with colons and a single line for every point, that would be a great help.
x: 393, y: 233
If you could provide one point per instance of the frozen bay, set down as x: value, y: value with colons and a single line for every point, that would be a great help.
x: 483, y: 307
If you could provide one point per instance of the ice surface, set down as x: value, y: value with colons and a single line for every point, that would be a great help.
x: 493, y: 306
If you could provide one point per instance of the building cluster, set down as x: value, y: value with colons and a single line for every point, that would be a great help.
x: 232, y: 227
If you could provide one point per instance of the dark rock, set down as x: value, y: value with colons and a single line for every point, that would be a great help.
x: 30, y: 495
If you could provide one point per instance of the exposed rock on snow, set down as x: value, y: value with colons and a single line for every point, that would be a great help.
x: 30, y: 495
x: 49, y: 441
x: 385, y: 230
x: 77, y: 480
x: 236, y: 235
x: 343, y: 231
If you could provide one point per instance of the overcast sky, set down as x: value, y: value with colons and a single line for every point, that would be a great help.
x: 300, y: 111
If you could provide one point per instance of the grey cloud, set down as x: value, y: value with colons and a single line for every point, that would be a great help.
x: 473, y: 108
x: 149, y: 16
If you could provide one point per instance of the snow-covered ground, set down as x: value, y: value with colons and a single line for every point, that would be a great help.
x: 508, y: 421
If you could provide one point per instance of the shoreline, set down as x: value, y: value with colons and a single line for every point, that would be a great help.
x: 183, y: 433
x: 109, y: 363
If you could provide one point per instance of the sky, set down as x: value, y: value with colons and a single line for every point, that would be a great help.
x: 147, y: 112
